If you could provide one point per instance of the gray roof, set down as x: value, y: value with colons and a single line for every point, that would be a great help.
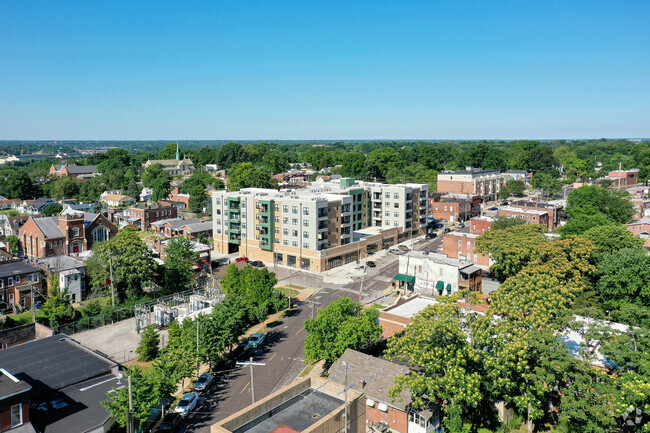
x: 89, y: 217
x: 378, y: 374
x: 16, y: 267
x: 49, y: 226
x: 11, y: 385
x: 60, y: 263
x: 178, y: 223
x: 199, y: 227
x: 81, y: 169
x: 41, y: 202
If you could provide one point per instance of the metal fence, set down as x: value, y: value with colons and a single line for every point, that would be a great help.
x: 88, y: 323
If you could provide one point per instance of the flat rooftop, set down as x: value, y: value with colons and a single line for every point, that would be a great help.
x: 298, y: 413
x: 411, y: 307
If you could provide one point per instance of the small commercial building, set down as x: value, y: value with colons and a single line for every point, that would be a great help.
x: 375, y: 377
x: 437, y: 274
x: 485, y: 183
x: 461, y: 245
x: 531, y: 216
x: 309, y: 405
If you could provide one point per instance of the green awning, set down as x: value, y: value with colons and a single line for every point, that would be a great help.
x: 448, y: 288
x: 440, y: 285
x: 401, y: 277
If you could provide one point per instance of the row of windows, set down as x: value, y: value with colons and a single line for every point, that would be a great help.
x: 16, y: 280
x: 387, y: 223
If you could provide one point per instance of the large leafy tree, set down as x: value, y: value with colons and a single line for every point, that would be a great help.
x: 52, y: 209
x: 15, y: 183
x: 591, y: 199
x: 132, y: 265
x: 341, y: 325
x: 353, y: 165
x: 247, y: 175
x: 65, y: 187
x: 445, y: 366
x: 511, y: 248
x: 513, y: 188
x: 255, y: 287
x: 484, y: 156
x: 625, y: 278
x: 229, y: 155
x: 380, y: 161
x: 275, y: 161
x: 610, y: 239
x: 179, y: 259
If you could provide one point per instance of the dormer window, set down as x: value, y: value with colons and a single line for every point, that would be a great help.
x: 75, y: 231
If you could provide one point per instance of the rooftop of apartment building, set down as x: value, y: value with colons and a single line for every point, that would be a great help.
x: 523, y: 211
x: 552, y: 204
x: 443, y: 259
x: 465, y: 234
x: 470, y: 170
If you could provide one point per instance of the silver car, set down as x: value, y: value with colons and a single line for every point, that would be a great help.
x: 203, y: 382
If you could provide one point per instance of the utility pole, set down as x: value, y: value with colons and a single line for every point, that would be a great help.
x: 31, y: 287
x: 313, y: 305
x: 198, y: 358
x: 110, y: 264
x: 345, y: 426
x: 251, y: 364
x: 129, y: 418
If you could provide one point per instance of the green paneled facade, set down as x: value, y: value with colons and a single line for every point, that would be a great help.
x: 265, y: 224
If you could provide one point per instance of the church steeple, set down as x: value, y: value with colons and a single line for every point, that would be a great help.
x: 178, y: 154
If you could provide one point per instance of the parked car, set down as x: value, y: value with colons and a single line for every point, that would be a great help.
x: 171, y: 423
x: 256, y: 340
x: 461, y: 225
x: 371, y: 264
x: 447, y: 230
x: 187, y: 403
x: 203, y: 382
x: 431, y: 235
x: 395, y: 250
x: 494, y: 208
x: 242, y: 259
x: 257, y: 264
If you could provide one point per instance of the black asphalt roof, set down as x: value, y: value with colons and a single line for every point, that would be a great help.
x: 16, y: 267
x: 53, y: 363
x: 9, y: 387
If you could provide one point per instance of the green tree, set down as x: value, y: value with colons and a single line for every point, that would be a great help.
x: 52, y: 209
x: 57, y: 308
x: 65, y: 187
x: 152, y: 173
x: 13, y: 242
x: 542, y: 160
x: 380, y: 161
x: 255, y: 287
x: 133, y: 190
x: 484, y: 156
x: 511, y: 248
x: 610, y: 239
x: 353, y: 165
x: 341, y: 325
x: 229, y: 155
x: 503, y: 223
x: 247, y: 175
x: 548, y: 183
x: 132, y: 265
x: 275, y: 161
x: 582, y: 222
x: 625, y: 278
x: 149, y: 342
x: 15, y: 183
x: 512, y: 188
x: 179, y: 260
x: 590, y: 199
x: 169, y: 151
x: 446, y: 368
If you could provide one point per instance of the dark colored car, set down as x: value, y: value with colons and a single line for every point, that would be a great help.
x: 431, y: 235
x: 257, y: 264
x: 171, y: 423
x: 371, y: 264
x: 242, y: 259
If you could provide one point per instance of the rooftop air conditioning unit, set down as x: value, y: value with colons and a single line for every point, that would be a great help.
x: 370, y: 402
x: 382, y: 407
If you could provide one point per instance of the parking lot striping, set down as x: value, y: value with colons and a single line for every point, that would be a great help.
x: 273, y: 356
x: 244, y: 388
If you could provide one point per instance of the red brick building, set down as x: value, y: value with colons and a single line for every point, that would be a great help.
x: 14, y: 403
x: 461, y: 245
x: 531, y: 216
x: 641, y: 229
x: 451, y: 210
x: 555, y: 211
x: 16, y: 280
x: 143, y: 216
x: 72, y: 170
x: 484, y: 183
x: 479, y: 225
x: 375, y: 377
x: 68, y: 233
x: 625, y: 178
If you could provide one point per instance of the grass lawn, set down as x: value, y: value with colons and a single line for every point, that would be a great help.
x: 290, y: 292
x: 25, y: 317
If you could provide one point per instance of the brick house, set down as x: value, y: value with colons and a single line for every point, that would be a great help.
x: 72, y: 170
x: 375, y: 377
x: 641, y: 229
x: 182, y: 201
x: 143, y: 216
x: 485, y: 183
x: 14, y: 404
x: 16, y: 278
x: 461, y: 245
x: 452, y: 210
x: 200, y: 229
x: 173, y: 227
x: 624, y: 178
x: 555, y: 211
x: 531, y: 216
x: 479, y: 225
x: 68, y: 233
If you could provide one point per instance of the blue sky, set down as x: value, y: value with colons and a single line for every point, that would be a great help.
x: 324, y: 69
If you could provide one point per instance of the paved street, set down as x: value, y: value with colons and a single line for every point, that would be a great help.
x: 283, y: 349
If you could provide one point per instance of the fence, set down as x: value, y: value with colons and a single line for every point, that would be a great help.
x: 88, y: 323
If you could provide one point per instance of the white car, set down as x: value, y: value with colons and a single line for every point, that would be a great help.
x: 203, y: 382
x: 187, y: 403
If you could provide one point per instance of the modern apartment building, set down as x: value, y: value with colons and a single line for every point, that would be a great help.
x: 486, y: 183
x: 321, y: 227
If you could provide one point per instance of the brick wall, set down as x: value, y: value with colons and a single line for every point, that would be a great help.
x: 465, y: 250
x: 479, y: 226
x: 390, y: 323
x: 396, y: 419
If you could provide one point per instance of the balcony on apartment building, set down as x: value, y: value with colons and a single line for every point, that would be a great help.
x: 322, y: 212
